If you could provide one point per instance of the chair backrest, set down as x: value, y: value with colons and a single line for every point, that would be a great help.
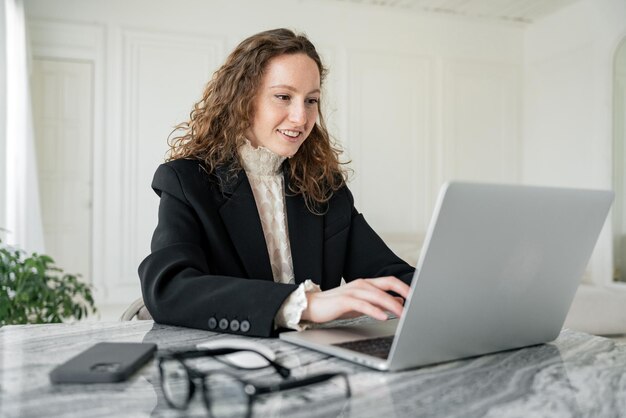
x: 137, y: 309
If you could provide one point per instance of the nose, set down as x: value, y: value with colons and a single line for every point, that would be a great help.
x: 297, y: 114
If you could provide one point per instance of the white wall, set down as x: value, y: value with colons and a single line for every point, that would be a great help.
x: 567, y: 128
x: 415, y: 99
x: 619, y: 161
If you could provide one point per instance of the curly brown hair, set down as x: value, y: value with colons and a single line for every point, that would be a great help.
x: 218, y: 122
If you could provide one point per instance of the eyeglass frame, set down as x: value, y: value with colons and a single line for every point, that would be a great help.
x: 250, y: 389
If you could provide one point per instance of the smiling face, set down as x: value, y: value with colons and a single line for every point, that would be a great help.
x: 286, y: 104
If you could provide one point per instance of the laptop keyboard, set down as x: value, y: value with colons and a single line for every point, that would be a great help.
x: 377, y: 347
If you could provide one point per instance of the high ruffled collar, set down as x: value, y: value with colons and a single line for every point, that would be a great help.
x: 259, y: 161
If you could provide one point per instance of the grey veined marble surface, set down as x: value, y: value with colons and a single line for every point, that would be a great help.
x: 578, y: 375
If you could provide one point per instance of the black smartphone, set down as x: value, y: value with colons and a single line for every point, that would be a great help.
x: 104, y: 363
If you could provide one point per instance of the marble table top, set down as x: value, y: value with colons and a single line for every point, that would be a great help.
x: 577, y: 375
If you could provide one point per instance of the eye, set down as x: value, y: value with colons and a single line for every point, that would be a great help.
x: 283, y: 97
x: 312, y: 100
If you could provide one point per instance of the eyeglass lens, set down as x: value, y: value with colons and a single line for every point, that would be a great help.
x: 175, y: 382
x: 226, y: 396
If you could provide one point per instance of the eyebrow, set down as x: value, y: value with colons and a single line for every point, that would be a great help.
x: 288, y: 87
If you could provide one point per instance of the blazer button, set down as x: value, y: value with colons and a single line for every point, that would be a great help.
x: 212, y: 322
x: 223, y: 323
x: 244, y: 326
x: 234, y: 325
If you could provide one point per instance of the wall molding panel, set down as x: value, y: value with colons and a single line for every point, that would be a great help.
x: 154, y: 100
x: 481, y: 105
x: 390, y: 138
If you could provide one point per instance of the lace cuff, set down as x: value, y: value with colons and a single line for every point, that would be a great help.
x: 290, y: 312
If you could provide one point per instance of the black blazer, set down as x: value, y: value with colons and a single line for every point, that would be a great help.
x: 210, y: 269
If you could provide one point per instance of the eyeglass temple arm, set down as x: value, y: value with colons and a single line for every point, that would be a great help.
x: 311, y: 380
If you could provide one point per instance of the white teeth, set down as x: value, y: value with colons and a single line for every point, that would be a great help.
x: 292, y: 134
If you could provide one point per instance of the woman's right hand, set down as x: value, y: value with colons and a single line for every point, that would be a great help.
x: 359, y: 297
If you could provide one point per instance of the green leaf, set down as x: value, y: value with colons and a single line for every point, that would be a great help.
x: 34, y: 290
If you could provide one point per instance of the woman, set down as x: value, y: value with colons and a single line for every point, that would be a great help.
x: 256, y: 225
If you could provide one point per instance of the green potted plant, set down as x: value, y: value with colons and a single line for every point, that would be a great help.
x: 35, y: 291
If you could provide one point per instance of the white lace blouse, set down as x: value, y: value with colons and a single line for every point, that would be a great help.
x: 263, y: 169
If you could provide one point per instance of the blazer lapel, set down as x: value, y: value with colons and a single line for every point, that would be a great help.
x: 306, y: 236
x: 241, y: 218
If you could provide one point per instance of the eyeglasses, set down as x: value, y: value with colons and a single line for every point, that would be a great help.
x: 224, y: 394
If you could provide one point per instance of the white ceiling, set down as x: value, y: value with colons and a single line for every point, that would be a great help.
x: 522, y: 11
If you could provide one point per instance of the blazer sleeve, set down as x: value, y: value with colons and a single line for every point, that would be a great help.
x: 367, y: 255
x: 177, y: 282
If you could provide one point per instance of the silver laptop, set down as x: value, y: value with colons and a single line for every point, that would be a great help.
x: 498, y: 270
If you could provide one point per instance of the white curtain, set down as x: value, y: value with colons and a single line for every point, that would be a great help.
x: 22, y: 207
x: 3, y: 114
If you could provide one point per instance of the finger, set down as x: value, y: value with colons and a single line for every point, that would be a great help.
x: 391, y: 283
x: 378, y: 298
x: 392, y: 303
x: 375, y: 294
